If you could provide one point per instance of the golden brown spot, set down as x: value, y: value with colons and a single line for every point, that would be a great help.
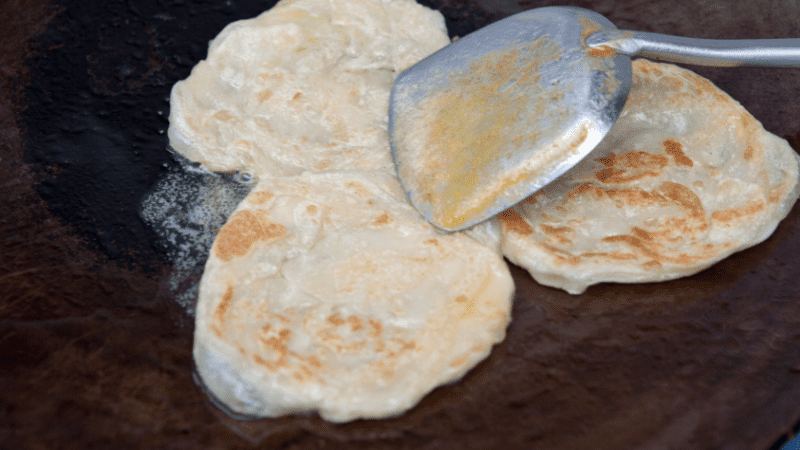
x: 748, y: 153
x: 641, y: 160
x: 580, y: 190
x: 675, y: 149
x: 556, y: 232
x: 642, y: 234
x: 264, y: 95
x: 382, y: 219
x: 459, y: 361
x: 361, y: 191
x: 407, y: 345
x: 243, y: 230
x: 672, y: 83
x: 561, y: 254
x: 748, y: 121
x: 263, y: 123
x: 269, y: 365
x: 432, y: 241
x: 222, y: 308
x: 726, y: 215
x: 311, y: 209
x: 241, y: 143
x: 314, y: 361
x: 601, y: 51
x: 513, y: 221
x: 650, y: 163
x: 216, y: 330
x: 531, y: 200
x: 275, y: 344
x: 355, y: 323
x: 297, y: 96
x: 462, y: 299
x: 651, y: 265
x: 260, y: 197
x: 606, y: 174
x: 336, y: 319
x: 352, y: 347
x: 684, y: 197
x: 635, y: 197
x: 647, y: 67
x: 608, y: 161
x: 322, y: 165
x: 617, y: 256
x: 633, y: 242
x: 701, y: 86
x: 776, y: 193
x: 278, y: 344
x: 376, y: 328
x: 223, y: 115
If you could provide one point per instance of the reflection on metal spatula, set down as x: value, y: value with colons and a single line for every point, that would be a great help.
x: 493, y: 117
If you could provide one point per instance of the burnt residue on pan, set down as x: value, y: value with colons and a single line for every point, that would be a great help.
x: 96, y: 352
x: 98, y: 108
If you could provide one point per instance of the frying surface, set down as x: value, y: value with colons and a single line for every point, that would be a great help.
x: 96, y: 351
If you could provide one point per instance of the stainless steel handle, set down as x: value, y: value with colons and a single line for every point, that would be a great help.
x: 702, y: 52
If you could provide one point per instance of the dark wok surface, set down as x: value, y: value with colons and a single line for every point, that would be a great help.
x: 95, y: 352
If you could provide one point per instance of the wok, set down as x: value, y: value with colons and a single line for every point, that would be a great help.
x: 95, y: 311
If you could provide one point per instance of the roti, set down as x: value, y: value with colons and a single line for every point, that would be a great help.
x: 685, y: 178
x: 328, y: 293
x: 303, y: 86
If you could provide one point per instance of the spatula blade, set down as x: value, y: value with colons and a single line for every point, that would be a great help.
x: 488, y: 120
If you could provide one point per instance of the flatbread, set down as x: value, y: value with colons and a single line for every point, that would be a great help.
x: 327, y: 292
x: 303, y: 86
x: 685, y: 178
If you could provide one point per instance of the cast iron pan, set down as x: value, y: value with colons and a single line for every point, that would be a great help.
x: 95, y: 348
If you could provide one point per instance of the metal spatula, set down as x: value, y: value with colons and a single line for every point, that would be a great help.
x: 493, y: 117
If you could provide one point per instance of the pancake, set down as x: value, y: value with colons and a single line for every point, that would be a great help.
x: 303, y: 86
x: 328, y: 293
x: 685, y: 178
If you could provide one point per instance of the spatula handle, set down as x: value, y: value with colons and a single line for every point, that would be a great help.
x: 702, y: 52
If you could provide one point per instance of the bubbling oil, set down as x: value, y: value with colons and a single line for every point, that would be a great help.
x: 186, y: 208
